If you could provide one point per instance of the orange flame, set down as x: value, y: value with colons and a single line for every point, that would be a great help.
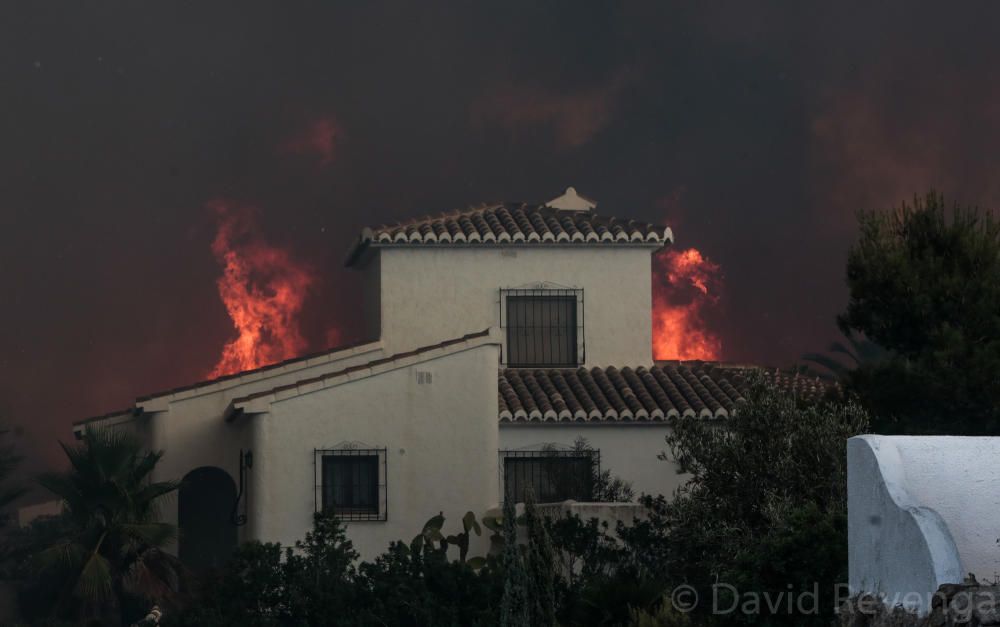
x: 263, y: 289
x: 685, y: 285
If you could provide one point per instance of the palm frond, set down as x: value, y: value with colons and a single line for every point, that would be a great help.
x: 9, y: 495
x: 64, y: 556
x: 8, y: 461
x: 833, y: 366
x: 60, y: 484
x: 95, y: 583
x: 146, y: 463
x: 858, y: 350
x: 152, y: 534
x: 850, y: 353
x: 152, y: 491
x: 154, y: 575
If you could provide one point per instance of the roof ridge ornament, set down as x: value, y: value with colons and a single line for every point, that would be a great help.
x: 571, y: 201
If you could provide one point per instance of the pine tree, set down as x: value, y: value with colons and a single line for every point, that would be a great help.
x: 514, y: 610
x: 540, y: 567
x: 924, y: 281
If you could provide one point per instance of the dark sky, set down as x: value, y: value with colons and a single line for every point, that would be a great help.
x: 754, y: 129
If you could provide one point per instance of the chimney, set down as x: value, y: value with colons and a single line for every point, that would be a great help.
x: 571, y: 201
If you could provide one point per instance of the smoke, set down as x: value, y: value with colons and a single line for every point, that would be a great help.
x: 686, y: 286
x: 263, y: 289
x: 573, y: 117
x: 316, y: 140
x: 893, y: 133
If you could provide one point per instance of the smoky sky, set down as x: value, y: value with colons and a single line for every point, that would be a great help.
x: 755, y: 130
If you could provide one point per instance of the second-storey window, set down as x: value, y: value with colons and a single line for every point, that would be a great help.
x: 541, y: 329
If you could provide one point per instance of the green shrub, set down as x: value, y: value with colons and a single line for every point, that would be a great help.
x: 764, y: 508
x: 316, y: 583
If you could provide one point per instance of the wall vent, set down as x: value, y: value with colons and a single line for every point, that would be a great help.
x: 423, y: 377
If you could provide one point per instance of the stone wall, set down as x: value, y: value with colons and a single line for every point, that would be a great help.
x: 967, y: 604
x: 609, y: 513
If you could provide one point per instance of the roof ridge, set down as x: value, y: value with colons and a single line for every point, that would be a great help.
x: 105, y: 416
x: 264, y: 368
x: 367, y: 365
x: 441, y: 215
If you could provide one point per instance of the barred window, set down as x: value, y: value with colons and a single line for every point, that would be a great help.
x: 553, y: 476
x: 542, y: 328
x: 352, y: 483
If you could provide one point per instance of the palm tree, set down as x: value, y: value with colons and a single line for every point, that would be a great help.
x: 858, y: 351
x: 8, y: 493
x: 112, y: 548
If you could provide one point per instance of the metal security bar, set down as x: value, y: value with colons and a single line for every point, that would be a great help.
x: 544, y: 327
x: 553, y: 475
x: 352, y: 482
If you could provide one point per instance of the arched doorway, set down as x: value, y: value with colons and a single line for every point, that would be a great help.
x: 204, y: 507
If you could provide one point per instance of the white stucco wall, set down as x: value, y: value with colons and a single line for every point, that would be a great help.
x: 431, y: 294
x: 922, y: 511
x: 628, y: 450
x: 189, y: 426
x: 441, y: 440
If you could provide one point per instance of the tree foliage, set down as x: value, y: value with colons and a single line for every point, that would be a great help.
x: 540, y: 561
x: 319, y: 582
x: 764, y: 507
x: 514, y: 609
x: 925, y: 284
x: 600, y: 486
x: 108, y: 549
x: 9, y: 459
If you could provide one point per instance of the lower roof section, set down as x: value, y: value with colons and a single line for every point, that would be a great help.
x: 260, y: 402
x: 667, y: 390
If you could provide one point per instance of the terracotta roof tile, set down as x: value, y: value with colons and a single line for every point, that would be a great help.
x: 667, y: 390
x: 513, y: 223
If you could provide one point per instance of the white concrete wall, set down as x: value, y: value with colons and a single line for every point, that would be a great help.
x: 190, y: 428
x: 432, y: 294
x: 628, y: 450
x: 922, y: 511
x: 441, y: 440
x: 29, y: 513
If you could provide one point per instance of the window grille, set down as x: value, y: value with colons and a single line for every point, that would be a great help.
x: 553, y: 475
x: 352, y: 483
x: 544, y: 327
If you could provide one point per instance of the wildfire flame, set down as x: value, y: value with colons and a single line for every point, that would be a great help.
x: 685, y: 286
x: 263, y: 290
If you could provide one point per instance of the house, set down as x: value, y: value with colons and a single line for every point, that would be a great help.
x: 504, y: 333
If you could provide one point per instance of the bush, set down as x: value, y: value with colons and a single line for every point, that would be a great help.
x: 765, y: 506
x: 250, y: 591
x: 316, y: 583
x: 405, y: 586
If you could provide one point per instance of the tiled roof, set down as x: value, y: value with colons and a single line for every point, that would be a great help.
x: 111, y: 414
x: 806, y: 387
x: 513, y: 223
x: 665, y: 391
